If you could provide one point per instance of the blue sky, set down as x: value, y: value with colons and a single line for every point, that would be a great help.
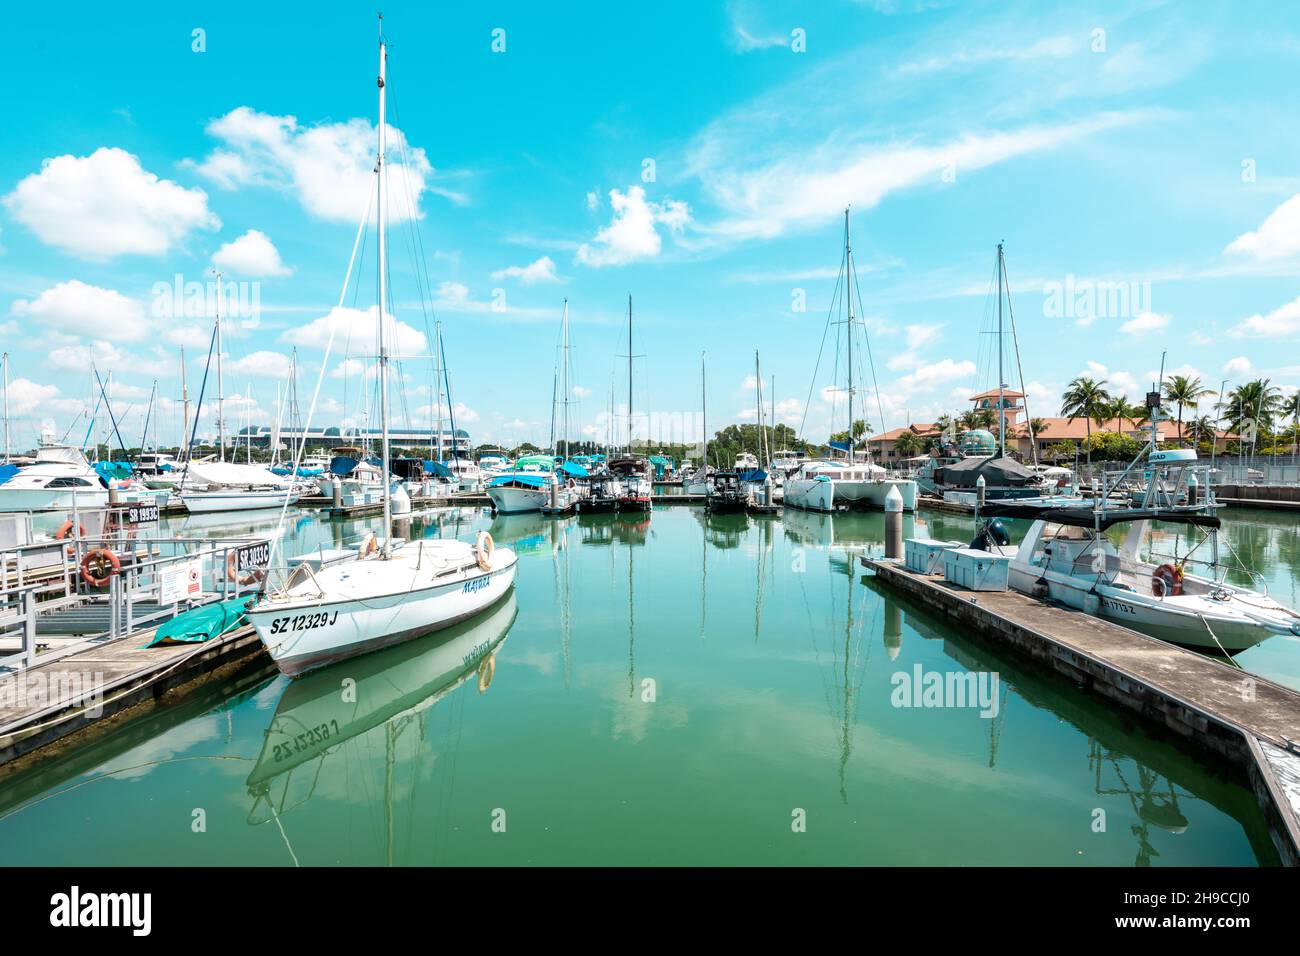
x: 697, y: 156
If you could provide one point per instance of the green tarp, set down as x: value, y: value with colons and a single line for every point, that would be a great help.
x: 202, y: 623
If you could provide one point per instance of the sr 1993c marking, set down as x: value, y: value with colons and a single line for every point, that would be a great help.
x: 303, y: 622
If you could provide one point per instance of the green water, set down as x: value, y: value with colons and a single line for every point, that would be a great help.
x: 681, y: 689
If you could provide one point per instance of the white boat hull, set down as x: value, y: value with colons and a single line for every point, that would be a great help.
x: 204, y: 502
x: 872, y: 492
x: 303, y: 634
x: 515, y: 501
x: 810, y: 494
x: 40, y: 499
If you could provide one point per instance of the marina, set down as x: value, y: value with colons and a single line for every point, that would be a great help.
x: 430, y: 440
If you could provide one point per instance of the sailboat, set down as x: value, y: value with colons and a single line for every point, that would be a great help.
x: 823, y: 484
x: 228, y: 486
x: 697, y: 483
x: 388, y: 593
x: 632, y: 474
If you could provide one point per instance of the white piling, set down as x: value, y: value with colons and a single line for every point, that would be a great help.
x: 893, y: 523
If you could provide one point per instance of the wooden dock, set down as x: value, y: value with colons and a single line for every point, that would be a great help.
x: 1246, y: 721
x: 91, y: 690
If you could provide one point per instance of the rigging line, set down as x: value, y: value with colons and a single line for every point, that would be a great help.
x: 1015, y: 341
x: 315, y: 396
x: 871, y: 363
x: 198, y: 408
x: 825, y: 331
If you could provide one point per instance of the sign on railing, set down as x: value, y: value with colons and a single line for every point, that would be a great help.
x: 142, y: 513
x: 253, y: 557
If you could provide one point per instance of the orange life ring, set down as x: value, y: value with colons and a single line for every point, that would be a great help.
x: 1167, y: 581
x: 369, y: 548
x: 66, y: 528
x: 98, y: 566
x: 257, y: 574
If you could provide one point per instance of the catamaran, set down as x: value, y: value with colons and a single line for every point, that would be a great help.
x: 387, y: 592
x: 827, y: 483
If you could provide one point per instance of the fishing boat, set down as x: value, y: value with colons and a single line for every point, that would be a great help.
x: 1181, y: 595
x: 388, y: 592
x: 531, y: 485
x: 632, y: 477
x: 854, y: 482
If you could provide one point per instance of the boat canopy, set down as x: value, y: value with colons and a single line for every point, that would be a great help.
x: 1000, y: 472
x: 753, y: 474
x: 574, y: 470
x: 518, y: 479
x: 546, y: 462
x: 229, y: 473
x: 7, y: 472
x: 1088, y: 518
x: 438, y: 469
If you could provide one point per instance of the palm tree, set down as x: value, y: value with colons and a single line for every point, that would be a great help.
x: 1085, y: 399
x: 1291, y: 406
x: 907, y: 444
x: 1120, y: 409
x: 1250, y: 408
x: 1186, y: 391
x: 1201, y: 429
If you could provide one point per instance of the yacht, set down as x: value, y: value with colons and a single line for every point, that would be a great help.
x: 60, y: 477
x: 860, y: 484
x: 529, y: 486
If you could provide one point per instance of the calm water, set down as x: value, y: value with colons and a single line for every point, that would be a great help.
x: 673, y: 690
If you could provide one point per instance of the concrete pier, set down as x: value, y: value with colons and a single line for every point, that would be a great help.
x: 1246, y: 721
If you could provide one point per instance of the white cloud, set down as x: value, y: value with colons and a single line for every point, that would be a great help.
x: 1117, y: 383
x: 745, y: 41
x: 76, y: 308
x: 928, y: 377
x: 632, y: 233
x: 1284, y: 320
x: 105, y: 205
x: 581, y: 392
x: 328, y: 167
x: 593, y: 200
x: 543, y: 270
x: 25, y: 396
x: 252, y: 254
x: 796, y: 189
x: 78, y: 358
x: 361, y: 329
x: 919, y: 336
x: 1238, y: 367
x: 1278, y: 237
x: 261, y: 364
x: 348, y: 368
x: 1144, y: 323
x: 189, y: 336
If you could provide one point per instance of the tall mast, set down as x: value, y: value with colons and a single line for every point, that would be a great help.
x: 5, y: 360
x: 758, y: 405
x: 383, y: 298
x: 704, y: 415
x: 629, y: 374
x: 848, y: 292
x: 437, y: 328
x: 221, y: 394
x: 1002, y: 410
x: 564, y: 378
x: 184, y: 449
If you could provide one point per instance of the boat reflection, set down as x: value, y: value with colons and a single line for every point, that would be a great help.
x: 606, y: 528
x: 332, y: 711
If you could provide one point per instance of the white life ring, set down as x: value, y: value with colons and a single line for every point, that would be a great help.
x: 483, y: 548
x: 572, y: 484
x: 369, y: 548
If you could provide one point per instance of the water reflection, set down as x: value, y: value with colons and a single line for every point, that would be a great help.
x: 322, y: 721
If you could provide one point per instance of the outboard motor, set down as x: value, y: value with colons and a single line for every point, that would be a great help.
x: 990, y: 532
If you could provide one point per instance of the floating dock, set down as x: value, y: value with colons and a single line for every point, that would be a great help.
x: 1239, y: 718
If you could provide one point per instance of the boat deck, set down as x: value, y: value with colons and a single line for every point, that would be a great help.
x: 1246, y: 720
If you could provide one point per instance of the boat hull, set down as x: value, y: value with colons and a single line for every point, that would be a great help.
x: 335, y: 630
x: 810, y: 494
x: 871, y: 492
x: 510, y: 500
x: 41, y: 499
x: 204, y: 502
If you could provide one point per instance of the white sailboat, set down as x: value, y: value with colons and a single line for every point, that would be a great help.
x: 387, y: 593
x: 824, y: 484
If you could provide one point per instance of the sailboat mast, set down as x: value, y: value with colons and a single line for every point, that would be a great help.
x: 758, y: 406
x: 704, y: 415
x: 848, y: 293
x: 184, y: 449
x: 567, y: 387
x: 221, y: 392
x: 437, y: 326
x: 1002, y: 410
x: 5, y: 359
x: 383, y: 297
x: 629, y: 374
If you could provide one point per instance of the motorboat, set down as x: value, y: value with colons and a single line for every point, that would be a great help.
x: 60, y: 477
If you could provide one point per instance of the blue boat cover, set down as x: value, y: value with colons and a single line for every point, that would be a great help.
x: 530, y: 481
x: 342, y: 465
x: 113, y: 469
x: 575, y: 471
x: 841, y: 445
x: 7, y: 472
x: 752, y: 474
x: 438, y: 469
